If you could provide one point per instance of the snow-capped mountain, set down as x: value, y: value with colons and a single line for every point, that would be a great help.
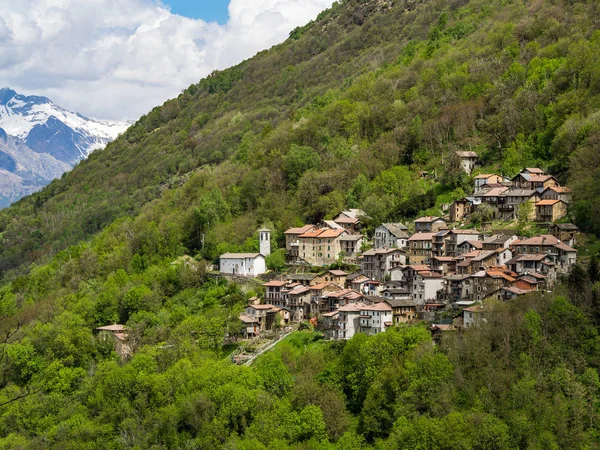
x: 47, y: 128
x: 23, y: 171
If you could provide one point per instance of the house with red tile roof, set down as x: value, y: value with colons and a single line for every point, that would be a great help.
x: 550, y: 210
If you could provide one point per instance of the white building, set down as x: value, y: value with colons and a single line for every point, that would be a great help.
x: 469, y: 161
x: 242, y: 264
x: 375, y: 318
x: 425, y: 286
x: 348, y: 322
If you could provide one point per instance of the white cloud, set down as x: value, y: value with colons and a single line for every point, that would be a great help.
x: 119, y: 58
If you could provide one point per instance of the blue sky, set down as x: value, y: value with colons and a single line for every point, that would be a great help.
x: 149, y: 55
x: 207, y: 10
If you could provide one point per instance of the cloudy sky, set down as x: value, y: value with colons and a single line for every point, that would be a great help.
x: 116, y: 59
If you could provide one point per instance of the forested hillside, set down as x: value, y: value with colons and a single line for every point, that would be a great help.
x: 345, y: 113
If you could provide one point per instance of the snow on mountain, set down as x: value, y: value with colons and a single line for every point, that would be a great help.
x: 24, y: 171
x: 47, y: 128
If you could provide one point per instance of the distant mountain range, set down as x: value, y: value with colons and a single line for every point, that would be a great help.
x: 39, y: 141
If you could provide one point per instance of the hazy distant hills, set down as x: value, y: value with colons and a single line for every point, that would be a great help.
x: 39, y: 141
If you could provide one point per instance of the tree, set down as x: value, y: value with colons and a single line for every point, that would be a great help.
x: 297, y: 161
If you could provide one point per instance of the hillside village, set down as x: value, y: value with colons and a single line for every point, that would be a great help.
x: 444, y: 271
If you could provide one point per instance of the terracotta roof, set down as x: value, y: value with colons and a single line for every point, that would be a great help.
x: 350, y: 220
x: 541, y: 178
x: 338, y: 273
x: 421, y: 237
x: 565, y: 247
x: 318, y: 287
x: 312, y: 233
x: 381, y: 306
x: 477, y: 244
x: 352, y: 307
x: 534, y: 170
x: 485, y: 175
x: 499, y: 274
x: 495, y: 192
x: 418, y: 267
x: 332, y: 233
x: 548, y: 202
x: 342, y: 293
x: 262, y: 307
x: 558, y: 189
x: 300, y: 230
x: 330, y: 314
x: 429, y: 274
x: 275, y: 283
x: 444, y: 258
x: 515, y: 290
x: 542, y: 239
x: 472, y: 254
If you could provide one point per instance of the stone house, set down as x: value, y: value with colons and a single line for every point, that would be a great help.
x: 292, y: 241
x: 119, y: 336
x: 390, y: 235
x: 565, y: 232
x: 377, y: 263
x: 484, y: 179
x: 469, y: 160
x: 514, y: 197
x: 425, y: 286
x: 403, y: 310
x: 468, y: 246
x: 460, y: 209
x: 349, y: 219
x: 560, y: 253
x: 351, y: 245
x: 550, y: 210
x: 557, y: 193
x: 429, y: 224
x: 337, y: 277
x: 420, y: 247
x: 320, y: 246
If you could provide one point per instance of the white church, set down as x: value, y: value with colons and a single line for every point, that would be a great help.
x: 248, y: 264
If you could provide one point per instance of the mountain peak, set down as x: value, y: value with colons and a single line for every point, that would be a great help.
x: 6, y: 94
x: 48, y: 128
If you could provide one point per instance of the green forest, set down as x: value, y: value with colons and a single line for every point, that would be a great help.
x: 348, y: 112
